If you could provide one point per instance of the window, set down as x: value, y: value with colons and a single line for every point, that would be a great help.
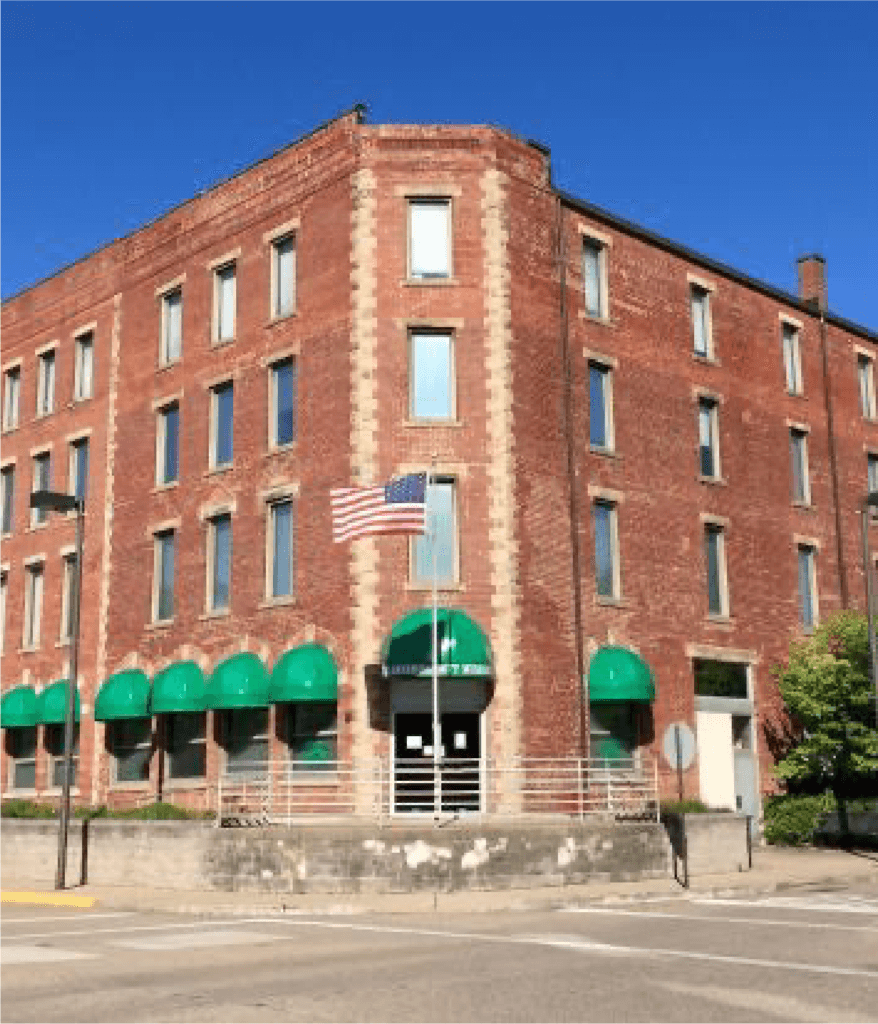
x: 432, y: 377
x: 130, y: 741
x: 53, y: 738
x: 46, y: 383
x: 282, y: 403
x: 701, y: 339
x: 42, y: 482
x: 222, y: 404
x: 68, y: 596
x: 246, y: 740
x: 219, y: 562
x: 33, y: 606
x: 171, y: 348
x: 872, y: 475
x: 721, y: 679
x: 708, y: 437
x: 600, y: 407
x: 11, y: 395
x: 866, y: 378
x: 799, y: 466
x: 441, y: 537
x: 4, y: 587
x: 312, y: 736
x: 22, y: 750
x: 185, y: 744
x: 606, y: 550
x: 613, y: 730
x: 283, y: 276
x: 78, y: 480
x: 594, y: 256
x: 792, y: 359
x: 280, y: 548
x: 807, y: 587
x: 167, y: 466
x: 430, y: 238
x: 7, y: 483
x: 224, y: 303
x: 83, y: 367
x: 717, y: 582
x: 163, y: 576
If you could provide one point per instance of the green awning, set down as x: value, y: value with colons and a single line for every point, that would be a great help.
x: 464, y: 649
x: 238, y: 682
x: 619, y: 674
x: 19, y: 708
x: 304, y: 673
x: 179, y: 687
x: 123, y: 695
x: 53, y: 704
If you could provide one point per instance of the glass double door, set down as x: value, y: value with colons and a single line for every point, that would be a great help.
x: 459, y: 782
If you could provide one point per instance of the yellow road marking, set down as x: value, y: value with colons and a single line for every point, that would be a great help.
x: 48, y: 899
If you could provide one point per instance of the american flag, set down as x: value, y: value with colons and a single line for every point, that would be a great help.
x: 397, y: 507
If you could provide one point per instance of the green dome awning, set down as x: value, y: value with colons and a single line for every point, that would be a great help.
x: 619, y: 674
x: 464, y: 649
x: 19, y: 707
x: 53, y: 704
x: 304, y: 673
x: 238, y: 682
x: 179, y: 687
x: 123, y: 695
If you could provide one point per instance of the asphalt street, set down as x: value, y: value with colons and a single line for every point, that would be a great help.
x: 808, y: 956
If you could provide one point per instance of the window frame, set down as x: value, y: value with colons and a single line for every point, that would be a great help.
x: 717, y: 530
x: 227, y: 267
x: 297, y: 766
x: 600, y: 249
x: 227, y: 385
x: 453, y: 583
x: 415, y: 332
x: 40, y: 517
x: 807, y: 553
x: 606, y: 371
x: 161, y: 443
x: 710, y: 405
x: 7, y: 499
x: 160, y: 536
x: 76, y: 447
x: 289, y: 238
x: 11, y: 397
x: 703, y: 294
x: 212, y: 536
x: 47, y: 379
x: 431, y: 199
x: 131, y: 749
x: 246, y: 766
x: 167, y: 298
x: 14, y: 736
x: 791, y: 352
x: 34, y: 593
x: 799, y: 470
x: 82, y: 343
x: 866, y: 385
x: 68, y: 597
x: 272, y: 503
x: 53, y: 736
x: 4, y: 600
x: 169, y: 751
x: 612, y: 509
x: 291, y: 360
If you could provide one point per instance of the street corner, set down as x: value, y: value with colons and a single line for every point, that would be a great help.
x: 48, y: 899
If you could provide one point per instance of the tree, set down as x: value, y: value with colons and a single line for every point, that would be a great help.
x: 827, y: 691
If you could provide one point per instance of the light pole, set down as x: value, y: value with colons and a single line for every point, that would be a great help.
x: 54, y: 501
x: 870, y: 502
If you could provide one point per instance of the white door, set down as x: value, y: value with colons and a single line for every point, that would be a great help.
x: 716, y: 762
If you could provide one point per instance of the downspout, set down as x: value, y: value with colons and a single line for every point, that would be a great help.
x: 833, y: 465
x: 572, y: 479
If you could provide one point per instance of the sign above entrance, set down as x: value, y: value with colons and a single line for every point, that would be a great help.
x: 678, y: 745
x: 462, y: 647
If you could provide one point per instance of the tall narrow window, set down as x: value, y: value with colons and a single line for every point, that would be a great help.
x: 441, y: 537
x: 866, y: 379
x: 219, y: 562
x: 600, y: 407
x: 715, y: 557
x: 801, y: 487
x: 79, y: 468
x: 11, y: 396
x: 280, y: 549
x: 167, y: 444
x: 708, y: 437
x: 163, y: 576
x: 54, y: 743
x: 224, y: 299
x: 68, y: 596
x: 33, y: 605
x: 185, y: 744
x: 130, y: 740
x: 872, y: 475
x: 701, y: 340
x: 606, y: 549
x: 312, y: 736
x: 283, y: 276
x: 4, y: 589
x: 432, y: 388
x: 42, y: 482
x: 246, y: 740
x: 282, y: 403
x: 83, y: 368
x: 593, y: 274
x: 46, y: 383
x: 222, y: 407
x: 172, y: 327
x: 23, y: 754
x: 792, y: 358
x: 7, y: 478
x: 430, y: 238
x: 807, y: 587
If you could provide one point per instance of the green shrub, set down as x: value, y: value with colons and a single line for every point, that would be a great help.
x: 689, y: 806
x: 161, y: 812
x: 151, y: 812
x: 27, y: 809
x: 793, y: 820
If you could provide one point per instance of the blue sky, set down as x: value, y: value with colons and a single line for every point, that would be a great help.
x: 746, y: 131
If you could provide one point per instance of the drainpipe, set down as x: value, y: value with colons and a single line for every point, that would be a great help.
x: 833, y: 464
x: 572, y: 479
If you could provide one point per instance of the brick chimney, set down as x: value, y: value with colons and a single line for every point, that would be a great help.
x: 812, y: 279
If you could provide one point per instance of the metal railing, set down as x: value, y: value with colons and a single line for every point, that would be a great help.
x: 287, y: 792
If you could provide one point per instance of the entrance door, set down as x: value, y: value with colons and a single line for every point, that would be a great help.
x: 460, y: 771
x: 413, y: 764
x: 746, y: 801
x: 715, y: 763
x: 461, y: 766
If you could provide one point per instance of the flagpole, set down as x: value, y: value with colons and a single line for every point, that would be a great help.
x: 437, y: 731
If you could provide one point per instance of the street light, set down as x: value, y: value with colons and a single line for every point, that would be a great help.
x: 870, y: 502
x: 54, y: 501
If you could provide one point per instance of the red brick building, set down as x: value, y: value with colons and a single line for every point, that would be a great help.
x: 635, y: 448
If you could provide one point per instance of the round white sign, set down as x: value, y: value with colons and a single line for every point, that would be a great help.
x: 678, y: 743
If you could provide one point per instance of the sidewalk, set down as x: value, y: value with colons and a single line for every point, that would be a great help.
x: 774, y: 869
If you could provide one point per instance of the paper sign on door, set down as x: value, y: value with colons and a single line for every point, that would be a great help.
x: 460, y: 741
x: 413, y: 743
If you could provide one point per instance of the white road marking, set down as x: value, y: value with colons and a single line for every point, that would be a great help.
x: 659, y: 915
x: 133, y: 928
x: 762, y: 1003
x: 835, y: 906
x: 179, y: 940
x: 75, y: 915
x: 39, y: 955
